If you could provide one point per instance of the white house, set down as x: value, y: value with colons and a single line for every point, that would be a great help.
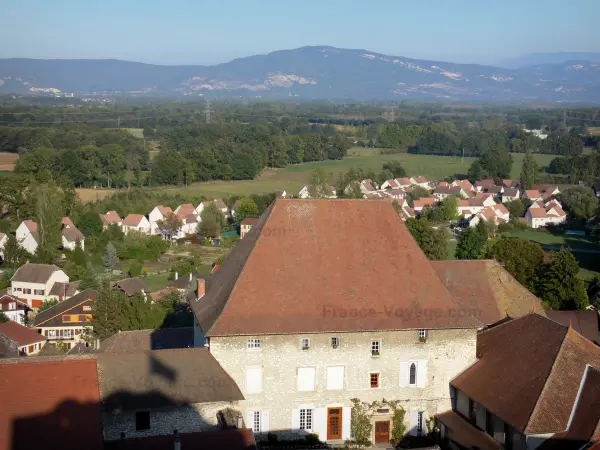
x: 157, y: 214
x: 474, y: 205
x: 15, y: 309
x: 541, y: 217
x: 27, y: 236
x: 465, y: 184
x: 510, y: 194
x: 441, y: 192
x: 3, y: 241
x: 221, y: 206
x: 136, y: 222
x: 421, y: 181
x: 71, y: 235
x: 190, y: 224
x: 247, y: 225
x: 110, y: 218
x: 185, y: 210
x: 33, y: 282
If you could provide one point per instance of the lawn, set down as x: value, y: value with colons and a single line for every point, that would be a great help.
x: 157, y: 281
x: 548, y: 238
x: 293, y: 177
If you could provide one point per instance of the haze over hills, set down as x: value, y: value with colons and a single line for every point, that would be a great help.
x: 535, y: 59
x: 309, y: 73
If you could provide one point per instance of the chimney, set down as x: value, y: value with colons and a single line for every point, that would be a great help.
x: 176, y: 276
x: 201, y: 288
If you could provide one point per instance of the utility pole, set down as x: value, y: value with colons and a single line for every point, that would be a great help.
x: 207, y: 111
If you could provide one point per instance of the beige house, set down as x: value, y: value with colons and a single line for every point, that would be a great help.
x: 136, y: 222
x: 110, y: 218
x: 304, y: 317
x: 26, y: 340
x: 32, y: 282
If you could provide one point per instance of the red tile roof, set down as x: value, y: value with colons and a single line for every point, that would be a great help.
x: 308, y: 264
x: 111, y: 217
x: 538, y: 213
x: 49, y: 404
x: 528, y: 373
x: 249, y: 221
x: 20, y: 334
x: 31, y: 225
x: 133, y: 220
x: 164, y: 210
x: 586, y: 323
x: 425, y: 201
x: 66, y: 221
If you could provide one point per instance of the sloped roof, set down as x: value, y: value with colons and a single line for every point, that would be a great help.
x: 510, y: 192
x: 532, y: 193
x: 31, y: 225
x: 34, y: 273
x: 537, y: 213
x: 64, y: 289
x: 485, y: 183
x: 133, y: 220
x: 67, y: 222
x: 72, y: 234
x: 273, y: 282
x: 146, y: 340
x: 131, y: 286
x: 425, y: 201
x: 249, y: 221
x: 110, y: 217
x: 528, y: 373
x: 587, y: 323
x: 63, y: 306
x: 164, y: 210
x: 49, y: 403
x: 485, y: 287
x: 20, y: 334
x: 160, y: 378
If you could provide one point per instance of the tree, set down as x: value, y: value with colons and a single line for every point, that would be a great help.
x: 89, y: 224
x: 560, y: 286
x: 432, y: 241
x: 135, y: 268
x: 520, y: 257
x: 396, y: 168
x: 170, y: 224
x: 89, y: 279
x: 48, y: 212
x: 471, y: 244
x: 515, y: 208
x: 318, y: 186
x: 416, y: 193
x: 4, y: 318
x: 529, y: 171
x: 212, y: 222
x: 580, y: 202
x: 14, y: 255
x: 47, y: 304
x: 476, y: 172
x: 110, y: 259
x: 108, y: 312
x: 78, y: 256
x: 246, y: 208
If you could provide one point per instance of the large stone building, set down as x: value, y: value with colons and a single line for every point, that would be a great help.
x: 324, y: 301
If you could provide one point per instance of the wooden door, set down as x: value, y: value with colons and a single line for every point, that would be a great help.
x: 334, y: 423
x: 382, y: 431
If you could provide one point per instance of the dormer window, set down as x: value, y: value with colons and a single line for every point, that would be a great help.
x: 305, y: 343
x: 335, y: 342
x: 254, y: 344
x: 375, y: 348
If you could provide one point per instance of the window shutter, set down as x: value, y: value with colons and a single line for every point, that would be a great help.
x: 414, y: 418
x: 346, y: 420
x: 264, y: 421
x: 335, y: 377
x: 250, y: 420
x: 253, y: 380
x: 404, y: 373
x: 295, y: 420
x: 320, y: 423
x: 306, y: 378
x: 422, y: 373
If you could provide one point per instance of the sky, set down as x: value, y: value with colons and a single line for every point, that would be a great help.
x: 202, y: 32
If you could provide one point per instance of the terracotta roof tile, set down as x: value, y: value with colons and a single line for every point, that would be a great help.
x: 425, y: 201
x: 20, y: 334
x: 249, y: 221
x: 272, y: 282
x: 133, y: 220
x: 164, y: 210
x: 111, y: 217
x: 31, y: 225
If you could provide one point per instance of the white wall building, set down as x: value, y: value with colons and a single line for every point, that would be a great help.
x: 32, y: 282
x: 136, y: 222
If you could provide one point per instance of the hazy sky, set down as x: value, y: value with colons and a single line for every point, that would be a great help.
x: 203, y: 32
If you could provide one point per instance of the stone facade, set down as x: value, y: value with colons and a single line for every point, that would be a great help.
x: 185, y: 419
x: 443, y: 354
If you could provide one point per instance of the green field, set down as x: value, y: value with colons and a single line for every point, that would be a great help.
x: 136, y: 132
x: 547, y: 238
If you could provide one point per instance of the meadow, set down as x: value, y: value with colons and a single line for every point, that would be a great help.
x: 293, y: 177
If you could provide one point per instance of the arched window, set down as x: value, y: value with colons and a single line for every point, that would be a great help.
x: 413, y: 374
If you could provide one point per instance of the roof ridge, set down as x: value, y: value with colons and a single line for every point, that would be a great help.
x: 541, y: 394
x: 61, y: 302
x: 266, y: 218
x: 495, y: 327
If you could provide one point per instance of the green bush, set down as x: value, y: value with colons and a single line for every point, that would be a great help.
x: 272, y: 438
x: 313, y: 439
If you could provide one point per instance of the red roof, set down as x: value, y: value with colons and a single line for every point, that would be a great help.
x: 112, y: 217
x: 307, y: 265
x: 164, y: 210
x: 249, y: 221
x: 31, y: 225
x: 538, y: 213
x: 20, y: 334
x: 425, y: 201
x: 49, y: 404
x: 133, y: 220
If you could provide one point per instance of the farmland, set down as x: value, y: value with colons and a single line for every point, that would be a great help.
x: 7, y: 161
x: 293, y: 177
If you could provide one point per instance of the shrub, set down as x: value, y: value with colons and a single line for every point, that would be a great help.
x: 313, y: 439
x: 272, y: 438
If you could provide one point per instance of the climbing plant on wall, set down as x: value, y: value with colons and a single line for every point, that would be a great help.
x: 361, y: 420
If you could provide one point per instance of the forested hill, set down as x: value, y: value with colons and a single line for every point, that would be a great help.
x: 310, y: 72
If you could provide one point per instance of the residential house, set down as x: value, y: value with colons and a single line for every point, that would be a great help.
x: 376, y: 195
x: 146, y: 340
x: 3, y: 241
x: 510, y: 194
x: 221, y: 206
x: 132, y: 286
x: 300, y: 352
x: 136, y: 222
x: 303, y: 193
x: 586, y: 323
x: 68, y: 321
x: 14, y: 308
x: 482, y: 185
x: 70, y: 235
x: 512, y: 184
x: 190, y: 224
x: 441, y: 192
x: 246, y: 226
x: 27, y: 236
x: 390, y: 184
x: 63, y: 290
x: 183, y: 389
x: 111, y: 218
x: 546, y: 189
x: 422, y: 182
x: 485, y: 288
x: 404, y: 210
x: 190, y: 286
x: 537, y: 133
x: 494, y: 190
x: 543, y: 216
x: 422, y: 202
x: 157, y: 214
x: 474, y: 205
x: 27, y: 340
x: 32, y: 282
x: 396, y: 193
x: 464, y: 184
x: 536, y: 384
x: 185, y: 210
x: 532, y: 195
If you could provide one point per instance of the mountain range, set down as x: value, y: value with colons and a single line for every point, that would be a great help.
x: 310, y: 73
